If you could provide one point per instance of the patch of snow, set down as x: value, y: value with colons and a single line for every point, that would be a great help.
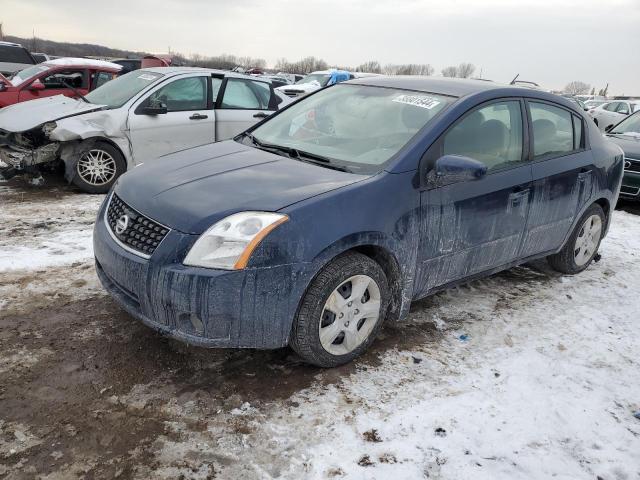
x: 70, y: 61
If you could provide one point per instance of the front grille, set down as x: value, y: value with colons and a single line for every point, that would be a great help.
x: 631, y: 165
x: 633, y: 191
x: 133, y: 229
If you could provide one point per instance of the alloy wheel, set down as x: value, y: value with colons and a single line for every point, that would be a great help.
x: 96, y: 167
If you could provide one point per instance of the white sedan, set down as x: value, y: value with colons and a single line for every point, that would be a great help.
x: 611, y: 113
x: 135, y: 118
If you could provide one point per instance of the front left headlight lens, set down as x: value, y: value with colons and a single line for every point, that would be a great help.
x: 229, y: 243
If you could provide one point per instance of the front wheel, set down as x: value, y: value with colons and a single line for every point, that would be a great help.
x: 583, y: 244
x: 98, y: 167
x: 341, y: 312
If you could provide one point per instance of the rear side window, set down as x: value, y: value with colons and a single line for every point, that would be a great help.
x: 623, y: 108
x: 15, y: 55
x: 491, y: 134
x: 552, y: 130
x: 246, y: 94
x: 611, y: 107
x: 578, y: 143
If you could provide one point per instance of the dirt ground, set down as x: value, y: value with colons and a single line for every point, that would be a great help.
x: 88, y: 392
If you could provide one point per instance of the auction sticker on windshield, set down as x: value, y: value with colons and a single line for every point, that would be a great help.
x: 422, y: 101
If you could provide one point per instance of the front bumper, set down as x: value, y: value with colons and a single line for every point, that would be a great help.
x: 251, y: 308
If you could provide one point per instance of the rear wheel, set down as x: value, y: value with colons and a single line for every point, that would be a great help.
x: 98, y: 167
x: 341, y: 312
x: 583, y: 244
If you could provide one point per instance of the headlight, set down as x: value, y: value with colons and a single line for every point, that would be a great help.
x: 229, y: 243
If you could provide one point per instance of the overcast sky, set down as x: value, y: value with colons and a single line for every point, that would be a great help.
x: 550, y: 42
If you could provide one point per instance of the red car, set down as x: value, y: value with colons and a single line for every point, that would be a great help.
x: 66, y: 76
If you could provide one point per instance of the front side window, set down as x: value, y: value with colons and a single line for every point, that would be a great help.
x: 358, y: 127
x: 12, y: 54
x: 116, y: 93
x: 490, y: 134
x: 64, y: 79
x: 182, y: 95
x: 246, y: 94
x: 552, y: 130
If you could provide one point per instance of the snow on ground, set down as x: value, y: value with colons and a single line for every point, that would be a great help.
x: 532, y: 375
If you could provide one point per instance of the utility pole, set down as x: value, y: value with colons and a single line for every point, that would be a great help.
x: 1, y: 34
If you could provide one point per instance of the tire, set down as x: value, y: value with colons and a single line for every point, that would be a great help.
x: 355, y: 331
x: 98, y: 167
x: 579, y: 251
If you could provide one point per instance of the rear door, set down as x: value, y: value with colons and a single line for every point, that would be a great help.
x: 475, y: 226
x: 562, y: 171
x: 242, y: 103
x: 189, y: 121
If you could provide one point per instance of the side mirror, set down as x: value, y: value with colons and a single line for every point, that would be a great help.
x: 36, y: 85
x: 455, y: 169
x: 3, y: 86
x: 154, y: 109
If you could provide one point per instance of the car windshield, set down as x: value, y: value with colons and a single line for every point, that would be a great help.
x: 321, y: 78
x: 27, y: 74
x: 358, y: 128
x: 116, y: 93
x: 630, y: 125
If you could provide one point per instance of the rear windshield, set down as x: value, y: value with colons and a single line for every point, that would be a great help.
x: 15, y: 55
x: 116, y: 93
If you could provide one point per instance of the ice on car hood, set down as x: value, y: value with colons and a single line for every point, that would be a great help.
x: 24, y: 116
x: 304, y: 87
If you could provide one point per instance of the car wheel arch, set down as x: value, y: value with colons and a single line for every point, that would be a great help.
x: 69, y: 152
x: 604, y: 203
x: 373, y: 245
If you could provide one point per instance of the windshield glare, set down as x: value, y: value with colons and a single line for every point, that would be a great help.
x: 27, y: 74
x: 628, y: 125
x: 322, y: 79
x: 116, y: 93
x: 359, y: 127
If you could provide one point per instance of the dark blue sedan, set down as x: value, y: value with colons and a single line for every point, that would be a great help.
x: 320, y: 223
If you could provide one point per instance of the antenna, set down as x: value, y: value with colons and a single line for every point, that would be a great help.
x: 514, y: 79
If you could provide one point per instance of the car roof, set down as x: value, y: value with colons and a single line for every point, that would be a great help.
x: 455, y: 87
x: 83, y: 62
x: 172, y: 71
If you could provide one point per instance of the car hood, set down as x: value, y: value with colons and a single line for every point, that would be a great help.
x: 629, y: 143
x: 27, y: 115
x: 191, y: 190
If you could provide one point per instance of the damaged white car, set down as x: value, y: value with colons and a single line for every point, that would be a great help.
x: 134, y: 118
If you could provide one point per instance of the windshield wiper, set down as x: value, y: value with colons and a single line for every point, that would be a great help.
x: 297, y: 154
x: 74, y: 90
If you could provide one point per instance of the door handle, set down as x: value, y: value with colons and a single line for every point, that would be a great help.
x: 198, y: 116
x: 260, y: 115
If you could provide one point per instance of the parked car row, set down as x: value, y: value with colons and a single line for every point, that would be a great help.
x: 139, y: 116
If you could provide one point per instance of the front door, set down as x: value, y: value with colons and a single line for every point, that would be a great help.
x: 471, y: 227
x: 242, y: 104
x: 189, y: 121
x: 562, y: 175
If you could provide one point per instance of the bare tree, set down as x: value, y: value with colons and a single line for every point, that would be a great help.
x: 450, y: 72
x: 370, y: 67
x: 577, y: 88
x: 408, y: 69
x: 465, y: 70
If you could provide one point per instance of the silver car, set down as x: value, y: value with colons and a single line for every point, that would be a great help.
x: 135, y: 118
x: 611, y: 113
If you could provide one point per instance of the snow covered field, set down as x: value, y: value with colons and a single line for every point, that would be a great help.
x: 524, y: 375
